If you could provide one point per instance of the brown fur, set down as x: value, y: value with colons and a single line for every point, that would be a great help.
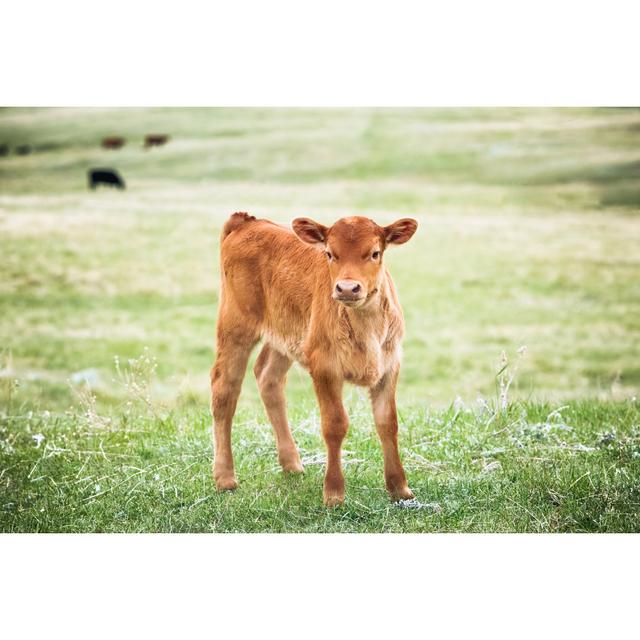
x: 155, y: 140
x: 331, y: 307
x: 113, y: 142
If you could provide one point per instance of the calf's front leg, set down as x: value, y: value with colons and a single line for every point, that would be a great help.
x: 335, y: 423
x: 383, y: 400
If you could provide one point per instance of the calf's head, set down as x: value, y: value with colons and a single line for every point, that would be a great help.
x: 354, y: 248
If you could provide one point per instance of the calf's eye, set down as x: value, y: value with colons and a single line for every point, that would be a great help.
x: 328, y: 254
x: 375, y: 255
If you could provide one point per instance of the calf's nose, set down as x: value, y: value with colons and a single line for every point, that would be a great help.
x: 348, y: 288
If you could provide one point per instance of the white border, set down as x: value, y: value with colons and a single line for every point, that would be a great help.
x: 337, y: 52
x: 150, y: 586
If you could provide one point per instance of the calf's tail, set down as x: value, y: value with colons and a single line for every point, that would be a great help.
x: 236, y: 221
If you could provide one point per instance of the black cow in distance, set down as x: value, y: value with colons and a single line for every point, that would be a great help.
x: 105, y: 176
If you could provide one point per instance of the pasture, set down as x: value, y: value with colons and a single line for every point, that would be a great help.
x: 529, y: 236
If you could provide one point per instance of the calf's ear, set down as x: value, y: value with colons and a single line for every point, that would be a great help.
x: 400, y: 231
x: 309, y: 231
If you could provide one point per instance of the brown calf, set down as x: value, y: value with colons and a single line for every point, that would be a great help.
x: 327, y: 302
x: 113, y: 142
x: 155, y: 140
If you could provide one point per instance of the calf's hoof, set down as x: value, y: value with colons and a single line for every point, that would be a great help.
x: 401, y: 494
x: 292, y: 466
x: 333, y: 499
x: 225, y: 483
x: 289, y: 460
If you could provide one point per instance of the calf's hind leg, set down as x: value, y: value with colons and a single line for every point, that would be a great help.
x: 271, y: 373
x: 226, y: 380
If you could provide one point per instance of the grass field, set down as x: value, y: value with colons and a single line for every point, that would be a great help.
x: 529, y: 235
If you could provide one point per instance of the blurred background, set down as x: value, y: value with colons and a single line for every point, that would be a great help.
x: 529, y: 235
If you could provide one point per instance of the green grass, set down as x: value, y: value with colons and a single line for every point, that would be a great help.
x: 528, y: 236
x: 528, y: 469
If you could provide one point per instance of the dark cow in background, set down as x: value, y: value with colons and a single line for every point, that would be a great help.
x: 155, y: 140
x: 23, y: 150
x: 113, y: 142
x: 105, y: 176
x: 4, y: 149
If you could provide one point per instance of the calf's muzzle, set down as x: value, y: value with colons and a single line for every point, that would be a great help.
x: 348, y: 291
